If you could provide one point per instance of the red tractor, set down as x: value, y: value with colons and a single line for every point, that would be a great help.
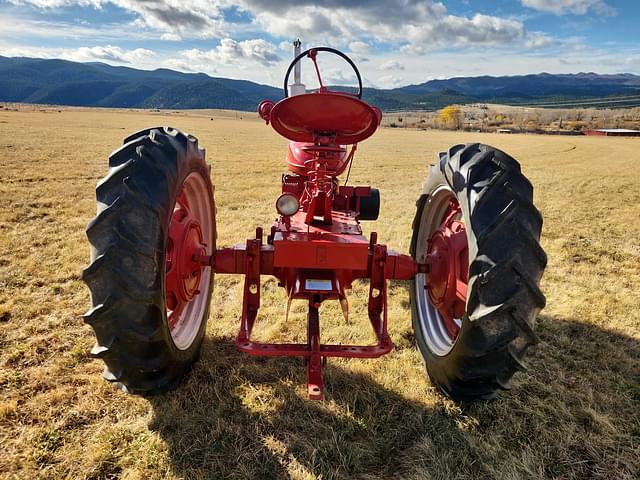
x: 474, y: 266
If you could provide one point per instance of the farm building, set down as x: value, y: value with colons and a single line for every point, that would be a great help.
x: 612, y: 132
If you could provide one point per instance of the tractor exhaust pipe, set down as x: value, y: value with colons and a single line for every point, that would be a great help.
x: 297, y: 87
x: 297, y: 47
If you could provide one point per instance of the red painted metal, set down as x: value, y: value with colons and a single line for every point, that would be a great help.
x: 316, y: 285
x: 344, y: 118
x: 264, y: 110
x: 348, y: 198
x: 300, y: 156
x: 183, y: 270
x: 317, y: 253
x: 448, y: 260
x: 339, y: 245
x: 314, y: 358
x: 313, y: 55
x: 232, y: 260
x: 255, y: 259
x: 301, y: 280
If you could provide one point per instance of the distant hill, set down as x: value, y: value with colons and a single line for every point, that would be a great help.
x: 62, y: 82
x: 543, y: 88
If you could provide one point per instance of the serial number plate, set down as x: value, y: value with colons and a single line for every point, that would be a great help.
x: 318, y: 285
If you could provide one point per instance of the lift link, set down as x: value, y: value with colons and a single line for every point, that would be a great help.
x: 255, y: 258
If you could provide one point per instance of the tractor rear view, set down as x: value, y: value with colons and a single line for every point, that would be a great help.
x: 474, y: 266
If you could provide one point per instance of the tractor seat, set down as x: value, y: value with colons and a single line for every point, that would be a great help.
x: 305, y: 117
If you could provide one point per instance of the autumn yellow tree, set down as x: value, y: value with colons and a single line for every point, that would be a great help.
x: 451, y: 117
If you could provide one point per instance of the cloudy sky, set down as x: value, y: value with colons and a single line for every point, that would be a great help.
x: 395, y: 42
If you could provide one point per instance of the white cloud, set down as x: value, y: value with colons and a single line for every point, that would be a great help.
x: 188, y: 18
x: 337, y: 76
x: 358, y: 59
x: 418, y: 24
x: 390, y: 81
x: 576, y: 7
x: 54, y: 29
x: 184, y: 65
x: 107, y: 53
x: 392, y: 65
x: 359, y: 47
x: 232, y: 52
x: 305, y: 24
x: 461, y: 31
x: 421, y: 25
x: 171, y: 37
x: 57, y: 3
x: 539, y: 41
x: 407, y: 30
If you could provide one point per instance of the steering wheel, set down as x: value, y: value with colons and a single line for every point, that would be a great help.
x: 311, y: 53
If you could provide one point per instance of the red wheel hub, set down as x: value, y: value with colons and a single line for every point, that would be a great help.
x: 183, y: 271
x: 448, y: 259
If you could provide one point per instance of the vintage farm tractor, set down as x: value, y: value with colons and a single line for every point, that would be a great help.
x: 474, y: 267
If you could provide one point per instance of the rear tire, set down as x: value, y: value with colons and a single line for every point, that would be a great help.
x: 129, y: 238
x: 505, y: 262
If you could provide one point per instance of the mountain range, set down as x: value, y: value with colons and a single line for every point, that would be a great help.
x: 61, y: 82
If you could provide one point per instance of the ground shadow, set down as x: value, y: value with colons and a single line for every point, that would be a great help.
x: 242, y: 417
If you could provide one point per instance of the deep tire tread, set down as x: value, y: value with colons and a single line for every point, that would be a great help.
x: 125, y: 276
x: 505, y: 273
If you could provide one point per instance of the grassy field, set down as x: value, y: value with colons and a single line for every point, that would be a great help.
x: 575, y: 413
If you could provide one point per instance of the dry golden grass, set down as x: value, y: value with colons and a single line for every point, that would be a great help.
x: 575, y: 414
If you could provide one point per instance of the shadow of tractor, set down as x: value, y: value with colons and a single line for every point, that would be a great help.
x: 573, y: 415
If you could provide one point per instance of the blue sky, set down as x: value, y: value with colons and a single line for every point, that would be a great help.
x: 394, y: 42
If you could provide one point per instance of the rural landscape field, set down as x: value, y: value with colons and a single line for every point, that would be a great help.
x: 575, y: 414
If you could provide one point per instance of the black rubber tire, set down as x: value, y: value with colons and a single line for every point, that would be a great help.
x: 370, y: 206
x: 506, y: 263
x: 126, y: 276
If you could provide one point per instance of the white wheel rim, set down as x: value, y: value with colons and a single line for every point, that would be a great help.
x: 186, y: 329
x: 429, y: 320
